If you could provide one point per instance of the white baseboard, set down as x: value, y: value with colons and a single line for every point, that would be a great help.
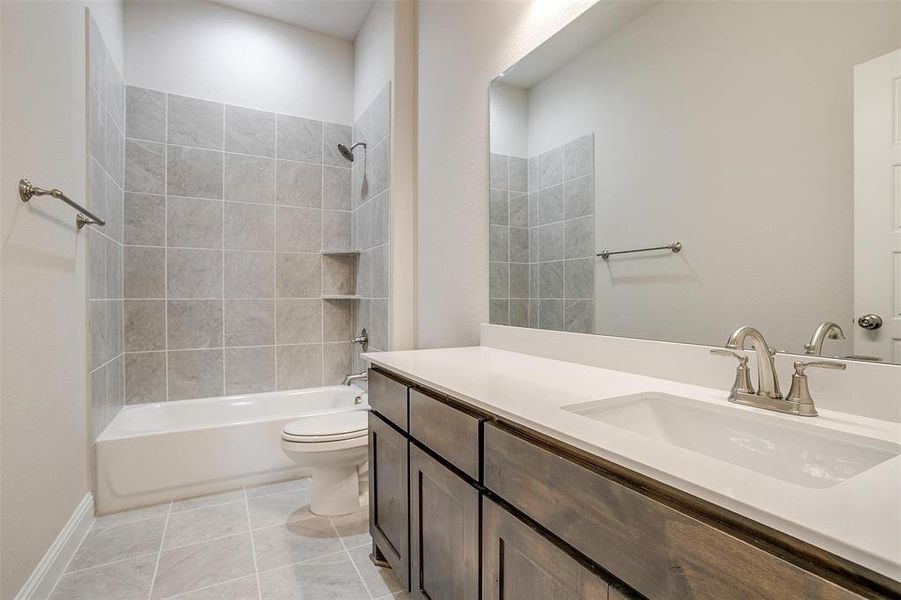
x: 40, y: 584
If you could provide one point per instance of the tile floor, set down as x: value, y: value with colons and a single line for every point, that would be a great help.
x: 258, y: 543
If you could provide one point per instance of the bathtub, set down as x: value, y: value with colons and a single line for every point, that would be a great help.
x: 152, y: 453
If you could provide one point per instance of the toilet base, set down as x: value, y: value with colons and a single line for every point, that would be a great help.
x: 336, y: 491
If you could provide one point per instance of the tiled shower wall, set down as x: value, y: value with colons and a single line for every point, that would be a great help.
x: 106, y: 123
x: 371, y: 224
x: 541, y: 249
x: 228, y: 211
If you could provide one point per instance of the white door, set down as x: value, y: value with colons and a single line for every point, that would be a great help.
x: 877, y: 206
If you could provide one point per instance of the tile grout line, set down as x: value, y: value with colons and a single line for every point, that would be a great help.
x: 222, y: 254
x: 349, y: 557
x: 159, y: 553
x: 253, y: 551
x: 166, y: 242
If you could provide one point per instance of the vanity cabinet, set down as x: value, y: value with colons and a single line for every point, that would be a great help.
x: 389, y: 517
x: 444, y: 528
x: 465, y: 505
x: 518, y: 562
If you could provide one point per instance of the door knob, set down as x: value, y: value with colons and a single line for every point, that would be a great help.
x: 870, y: 321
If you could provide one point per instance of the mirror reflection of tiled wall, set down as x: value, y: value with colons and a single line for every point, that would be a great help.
x: 541, y: 238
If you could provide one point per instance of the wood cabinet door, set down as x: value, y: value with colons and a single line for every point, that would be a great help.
x: 518, y: 562
x: 389, y: 516
x: 444, y: 527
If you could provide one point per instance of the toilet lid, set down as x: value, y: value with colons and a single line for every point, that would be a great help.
x: 335, y: 426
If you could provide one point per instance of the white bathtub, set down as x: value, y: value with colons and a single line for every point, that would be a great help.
x: 152, y: 453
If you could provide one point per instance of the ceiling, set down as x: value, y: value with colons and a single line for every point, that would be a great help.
x: 340, y: 18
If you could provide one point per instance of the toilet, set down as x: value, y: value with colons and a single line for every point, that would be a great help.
x: 335, y: 447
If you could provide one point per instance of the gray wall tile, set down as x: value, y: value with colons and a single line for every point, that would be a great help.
x: 498, y: 171
x: 580, y: 237
x: 579, y: 197
x: 550, y: 275
x: 249, y: 275
x: 379, y: 163
x: 533, y: 209
x: 336, y: 359
x: 298, y: 366
x: 498, y: 280
x: 114, y: 283
x: 533, y: 312
x: 335, y: 230
x: 249, y: 370
x: 334, y: 134
x: 145, y: 219
x: 336, y: 188
x: 550, y: 242
x: 298, y: 229
x: 381, y: 272
x: 519, y: 244
x: 519, y: 281
x: 519, y: 178
x: 145, y: 272
x: 579, y: 157
x: 579, y: 316
x: 249, y: 131
x: 533, y: 174
x: 550, y: 205
x: 550, y: 167
x: 145, y: 112
x: 145, y: 167
x: 337, y: 275
x: 380, y: 325
x: 337, y: 318
x: 299, y: 321
x: 299, y: 184
x: 99, y: 331
x: 193, y: 172
x: 249, y: 322
x: 249, y: 178
x: 550, y: 314
x: 519, y: 209
x: 249, y: 226
x: 194, y: 273
x: 519, y: 312
x: 498, y: 207
x: 193, y: 122
x: 379, y: 217
x: 298, y: 275
x: 145, y: 377
x: 195, y: 374
x: 97, y: 272
x: 193, y: 223
x: 499, y: 312
x: 145, y: 325
x: 193, y: 324
x: 498, y: 243
x: 299, y: 139
x: 579, y: 278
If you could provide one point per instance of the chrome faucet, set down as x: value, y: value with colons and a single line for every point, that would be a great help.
x: 362, y: 340
x: 350, y: 378
x: 827, y: 330
x: 767, y: 380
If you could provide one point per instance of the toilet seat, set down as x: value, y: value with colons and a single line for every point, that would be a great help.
x: 329, y: 427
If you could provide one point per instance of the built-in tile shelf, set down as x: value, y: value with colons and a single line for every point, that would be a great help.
x: 351, y: 253
x: 341, y: 297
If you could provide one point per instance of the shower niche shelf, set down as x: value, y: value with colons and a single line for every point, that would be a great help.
x: 341, y: 297
x: 351, y: 253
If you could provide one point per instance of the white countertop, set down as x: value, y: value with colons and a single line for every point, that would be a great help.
x: 858, y: 519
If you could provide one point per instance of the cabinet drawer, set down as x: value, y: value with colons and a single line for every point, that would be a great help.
x: 388, y: 398
x: 444, y: 531
x: 518, y: 562
x: 449, y: 432
x: 652, y: 547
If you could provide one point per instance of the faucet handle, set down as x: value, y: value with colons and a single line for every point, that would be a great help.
x: 799, y: 393
x: 800, y: 366
x: 742, y: 383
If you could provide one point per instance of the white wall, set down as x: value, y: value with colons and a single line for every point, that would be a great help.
x: 43, y: 323
x: 743, y: 154
x: 373, y: 56
x: 213, y: 52
x: 509, y: 119
x: 462, y: 47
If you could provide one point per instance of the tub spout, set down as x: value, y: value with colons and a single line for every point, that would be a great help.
x: 348, y: 379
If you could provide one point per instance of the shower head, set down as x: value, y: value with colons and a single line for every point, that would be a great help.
x: 348, y: 153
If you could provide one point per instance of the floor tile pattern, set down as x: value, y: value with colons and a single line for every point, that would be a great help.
x: 256, y: 543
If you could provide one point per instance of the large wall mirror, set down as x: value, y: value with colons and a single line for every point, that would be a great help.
x: 674, y: 169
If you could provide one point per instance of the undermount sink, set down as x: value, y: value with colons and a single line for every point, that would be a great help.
x: 794, y: 452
